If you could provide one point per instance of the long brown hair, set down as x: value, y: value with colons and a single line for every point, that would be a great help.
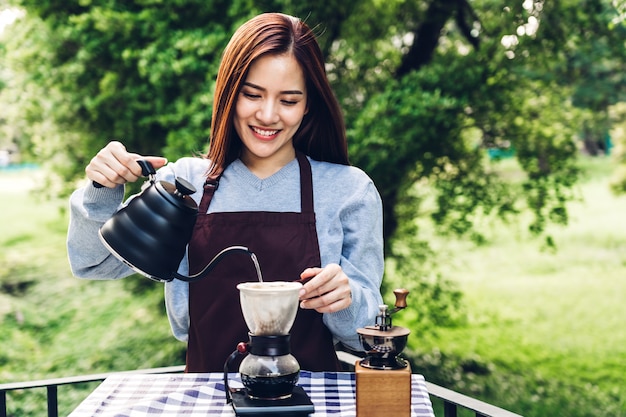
x: 322, y: 133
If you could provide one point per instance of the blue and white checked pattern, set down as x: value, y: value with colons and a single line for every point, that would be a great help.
x: 134, y: 395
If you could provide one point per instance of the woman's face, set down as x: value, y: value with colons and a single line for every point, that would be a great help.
x: 269, y: 111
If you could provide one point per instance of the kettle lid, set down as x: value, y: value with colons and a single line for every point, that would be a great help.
x: 178, y: 193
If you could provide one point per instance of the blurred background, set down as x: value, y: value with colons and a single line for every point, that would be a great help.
x: 494, y: 130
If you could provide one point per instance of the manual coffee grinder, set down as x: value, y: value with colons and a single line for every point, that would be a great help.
x: 383, y: 380
x: 268, y: 370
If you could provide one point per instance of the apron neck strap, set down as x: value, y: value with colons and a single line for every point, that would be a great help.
x: 306, y: 186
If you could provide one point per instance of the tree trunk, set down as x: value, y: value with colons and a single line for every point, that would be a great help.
x: 427, y: 35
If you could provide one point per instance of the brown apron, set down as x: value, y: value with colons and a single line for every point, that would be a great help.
x: 285, y: 244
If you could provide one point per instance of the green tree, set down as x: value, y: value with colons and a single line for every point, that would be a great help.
x: 427, y: 86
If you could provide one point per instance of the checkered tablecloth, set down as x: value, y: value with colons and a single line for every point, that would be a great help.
x: 133, y: 395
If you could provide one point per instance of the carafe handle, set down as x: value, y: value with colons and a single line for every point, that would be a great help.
x: 242, y: 350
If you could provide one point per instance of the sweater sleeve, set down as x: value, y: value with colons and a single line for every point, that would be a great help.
x: 362, y: 260
x: 90, y: 207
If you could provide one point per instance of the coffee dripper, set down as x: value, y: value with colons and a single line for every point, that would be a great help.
x: 268, y: 370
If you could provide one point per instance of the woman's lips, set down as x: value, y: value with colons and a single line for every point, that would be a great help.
x: 264, y: 134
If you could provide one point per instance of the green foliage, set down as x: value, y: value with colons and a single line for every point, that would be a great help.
x: 54, y: 325
x: 541, y: 332
x: 143, y: 73
x: 140, y: 73
x: 525, y: 391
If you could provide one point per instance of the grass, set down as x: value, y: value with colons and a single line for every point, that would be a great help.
x: 548, y: 322
x: 543, y: 333
x: 54, y: 325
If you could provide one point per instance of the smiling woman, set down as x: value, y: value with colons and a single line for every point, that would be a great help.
x: 278, y: 152
x: 269, y: 112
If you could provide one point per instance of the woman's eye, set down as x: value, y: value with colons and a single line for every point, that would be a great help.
x: 289, y: 102
x: 250, y: 95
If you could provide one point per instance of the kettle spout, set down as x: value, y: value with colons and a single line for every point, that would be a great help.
x: 207, y: 269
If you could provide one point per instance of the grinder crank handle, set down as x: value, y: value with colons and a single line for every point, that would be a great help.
x: 383, y: 319
x: 401, y: 294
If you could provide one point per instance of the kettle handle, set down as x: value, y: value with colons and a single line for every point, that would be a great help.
x: 146, y: 170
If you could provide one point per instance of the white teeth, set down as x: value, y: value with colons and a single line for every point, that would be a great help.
x: 265, y: 132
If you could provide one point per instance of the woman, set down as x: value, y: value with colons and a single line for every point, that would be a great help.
x: 286, y: 191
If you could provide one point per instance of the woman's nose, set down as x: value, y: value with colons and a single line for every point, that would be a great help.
x: 267, y: 113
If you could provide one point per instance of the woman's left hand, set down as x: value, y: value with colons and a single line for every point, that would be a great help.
x: 327, y: 291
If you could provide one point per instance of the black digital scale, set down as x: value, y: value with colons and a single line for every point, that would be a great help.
x: 299, y: 404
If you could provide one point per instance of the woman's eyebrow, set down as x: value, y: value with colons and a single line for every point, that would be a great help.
x: 258, y: 87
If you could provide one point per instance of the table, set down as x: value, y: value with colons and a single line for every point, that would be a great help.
x: 133, y: 395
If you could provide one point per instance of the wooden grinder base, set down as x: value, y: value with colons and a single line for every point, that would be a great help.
x: 383, y: 393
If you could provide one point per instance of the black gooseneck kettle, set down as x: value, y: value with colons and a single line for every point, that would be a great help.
x: 151, y: 232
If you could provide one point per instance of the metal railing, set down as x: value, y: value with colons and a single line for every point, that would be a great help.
x: 51, y: 385
x: 452, y: 400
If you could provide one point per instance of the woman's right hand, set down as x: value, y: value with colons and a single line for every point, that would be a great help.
x: 113, y: 165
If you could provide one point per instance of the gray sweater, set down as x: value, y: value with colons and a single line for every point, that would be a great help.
x: 348, y: 212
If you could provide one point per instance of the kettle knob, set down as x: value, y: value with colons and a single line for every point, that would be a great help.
x: 184, y: 187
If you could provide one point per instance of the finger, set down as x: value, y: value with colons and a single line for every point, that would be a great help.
x: 331, y: 279
x: 322, y: 296
x: 113, y: 165
x: 117, y: 168
x: 156, y: 161
x: 310, y: 272
x: 327, y: 303
x: 308, y: 275
x: 101, y: 173
x: 118, y: 150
